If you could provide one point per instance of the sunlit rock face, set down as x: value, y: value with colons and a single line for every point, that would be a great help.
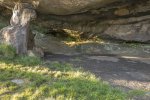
x: 63, y: 7
x: 116, y: 19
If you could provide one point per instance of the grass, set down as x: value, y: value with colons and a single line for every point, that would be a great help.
x: 51, y: 80
x: 7, y: 51
x: 133, y: 93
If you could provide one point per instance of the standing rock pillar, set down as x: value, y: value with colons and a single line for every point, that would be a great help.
x: 18, y: 34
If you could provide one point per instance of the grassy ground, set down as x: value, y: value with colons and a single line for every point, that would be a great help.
x: 51, y: 80
x: 45, y: 80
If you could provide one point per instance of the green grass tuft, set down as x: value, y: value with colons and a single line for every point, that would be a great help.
x: 133, y: 93
x: 7, y: 51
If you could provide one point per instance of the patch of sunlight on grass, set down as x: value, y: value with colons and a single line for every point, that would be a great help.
x: 45, y: 80
x: 22, y: 61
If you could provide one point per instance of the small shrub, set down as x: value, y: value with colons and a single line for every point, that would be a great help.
x: 7, y: 51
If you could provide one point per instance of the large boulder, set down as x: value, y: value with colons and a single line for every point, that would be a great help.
x: 18, y: 33
x: 130, y: 32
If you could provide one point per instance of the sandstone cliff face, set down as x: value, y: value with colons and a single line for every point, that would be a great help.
x: 127, y: 20
x: 62, y: 7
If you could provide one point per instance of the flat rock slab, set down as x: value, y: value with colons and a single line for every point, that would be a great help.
x: 104, y: 58
x: 18, y: 81
x: 124, y: 72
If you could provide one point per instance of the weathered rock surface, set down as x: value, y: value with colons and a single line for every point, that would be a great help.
x: 130, y: 32
x: 120, y: 19
x: 50, y: 44
x: 110, y: 48
x: 63, y: 7
x: 18, y: 33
